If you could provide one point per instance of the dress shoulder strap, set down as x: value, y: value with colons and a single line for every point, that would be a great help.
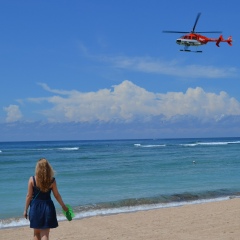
x: 34, y: 181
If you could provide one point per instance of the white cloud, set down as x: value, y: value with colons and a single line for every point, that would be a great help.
x: 174, y: 68
x: 158, y: 66
x: 13, y: 113
x: 127, y: 102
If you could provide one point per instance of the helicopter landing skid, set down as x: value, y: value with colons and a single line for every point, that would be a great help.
x: 186, y: 50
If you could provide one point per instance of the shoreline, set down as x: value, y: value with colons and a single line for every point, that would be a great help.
x: 81, y: 214
x: 213, y: 220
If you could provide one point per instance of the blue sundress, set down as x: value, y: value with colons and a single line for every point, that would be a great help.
x: 42, y: 212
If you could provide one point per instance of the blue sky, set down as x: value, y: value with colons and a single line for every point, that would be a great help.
x: 104, y: 70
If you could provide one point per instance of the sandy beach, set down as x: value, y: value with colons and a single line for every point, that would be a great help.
x: 213, y: 221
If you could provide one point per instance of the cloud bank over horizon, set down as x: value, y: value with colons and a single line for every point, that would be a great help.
x: 127, y: 102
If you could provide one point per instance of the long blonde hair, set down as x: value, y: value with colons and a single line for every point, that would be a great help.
x: 44, y: 174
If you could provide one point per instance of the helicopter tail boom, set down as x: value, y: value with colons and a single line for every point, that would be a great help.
x: 221, y: 39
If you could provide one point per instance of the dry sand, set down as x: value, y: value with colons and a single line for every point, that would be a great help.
x: 208, y: 221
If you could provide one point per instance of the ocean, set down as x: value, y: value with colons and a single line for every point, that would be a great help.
x: 114, y: 176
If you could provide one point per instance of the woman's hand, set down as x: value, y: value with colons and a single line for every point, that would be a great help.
x: 65, y: 208
x: 25, y: 214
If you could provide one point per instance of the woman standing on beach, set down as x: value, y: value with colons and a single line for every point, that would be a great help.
x: 42, y: 214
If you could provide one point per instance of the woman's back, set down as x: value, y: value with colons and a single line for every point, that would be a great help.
x: 38, y: 194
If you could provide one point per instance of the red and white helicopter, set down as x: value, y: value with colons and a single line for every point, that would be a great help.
x: 195, y: 39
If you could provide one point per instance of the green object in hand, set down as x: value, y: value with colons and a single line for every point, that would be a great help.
x: 69, y: 214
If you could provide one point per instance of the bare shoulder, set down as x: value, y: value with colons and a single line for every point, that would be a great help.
x: 53, y: 183
x: 30, y: 181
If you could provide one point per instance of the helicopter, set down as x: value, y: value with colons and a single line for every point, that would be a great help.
x: 195, y: 39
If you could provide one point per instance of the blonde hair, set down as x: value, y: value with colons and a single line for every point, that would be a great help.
x: 44, y: 174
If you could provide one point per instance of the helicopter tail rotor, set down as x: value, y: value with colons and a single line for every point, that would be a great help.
x: 229, y: 40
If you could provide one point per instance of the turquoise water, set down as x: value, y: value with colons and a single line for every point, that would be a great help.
x: 103, y: 177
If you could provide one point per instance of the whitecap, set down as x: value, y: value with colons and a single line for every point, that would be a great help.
x: 149, y: 145
x: 69, y: 148
x: 137, y: 145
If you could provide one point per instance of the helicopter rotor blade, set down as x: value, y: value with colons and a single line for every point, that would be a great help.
x: 196, y: 21
x: 193, y: 30
x: 209, y: 32
x: 174, y: 32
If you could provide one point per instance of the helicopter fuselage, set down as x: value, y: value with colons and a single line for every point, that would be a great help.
x: 192, y: 40
x: 188, y: 42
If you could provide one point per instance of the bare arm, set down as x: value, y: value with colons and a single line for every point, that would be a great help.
x: 58, y: 196
x: 28, y: 197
